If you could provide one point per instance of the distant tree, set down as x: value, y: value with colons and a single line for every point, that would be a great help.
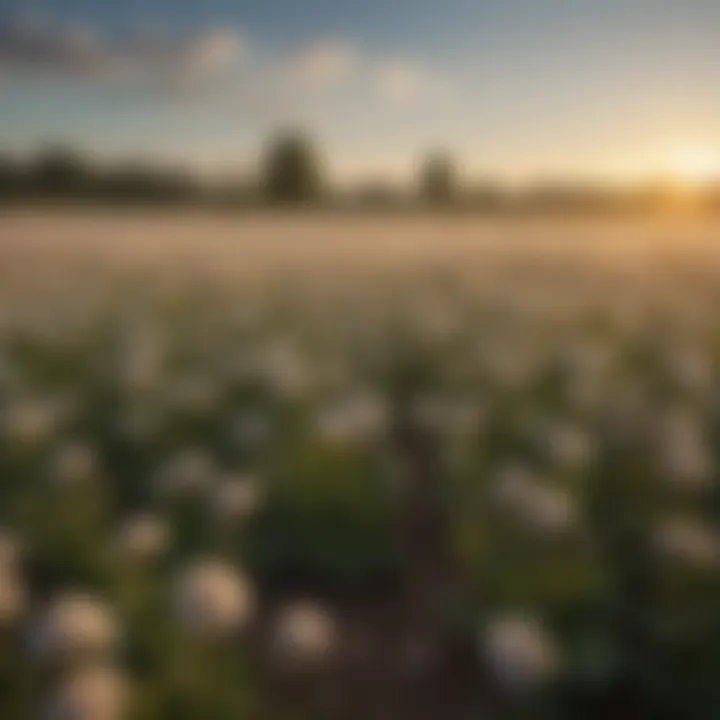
x: 292, y: 172
x: 60, y: 171
x: 11, y: 177
x: 138, y: 182
x: 438, y: 180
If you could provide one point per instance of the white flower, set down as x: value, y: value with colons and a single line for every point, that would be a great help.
x: 452, y: 416
x: 143, y: 537
x: 520, y: 651
x: 235, y: 497
x: 688, y: 540
x: 357, y: 418
x: 683, y: 454
x: 213, y: 599
x: 194, y: 394
x: 74, y: 464
x: 30, y: 421
x: 11, y: 550
x: 13, y: 595
x: 305, y: 632
x: 568, y: 447
x: 436, y: 320
x: 90, y: 693
x: 542, y: 507
x: 552, y: 510
x: 285, y: 368
x: 513, y: 485
x: 76, y: 626
x: 187, y: 474
x: 141, y: 359
x: 689, y: 368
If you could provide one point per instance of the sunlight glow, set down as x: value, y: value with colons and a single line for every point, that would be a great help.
x: 696, y: 167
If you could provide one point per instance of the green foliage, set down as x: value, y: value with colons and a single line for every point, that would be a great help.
x: 327, y: 523
x: 292, y: 172
x: 438, y: 180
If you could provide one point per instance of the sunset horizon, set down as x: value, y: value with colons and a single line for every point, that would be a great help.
x: 514, y: 90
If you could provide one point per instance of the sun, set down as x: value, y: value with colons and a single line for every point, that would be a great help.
x: 696, y: 168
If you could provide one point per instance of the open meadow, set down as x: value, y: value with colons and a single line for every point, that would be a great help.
x: 385, y: 468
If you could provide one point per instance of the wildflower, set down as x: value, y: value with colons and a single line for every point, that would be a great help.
x: 683, y: 454
x: 30, y: 421
x: 568, y: 447
x: 285, y: 368
x: 188, y: 473
x: 13, y: 590
x: 90, y: 693
x: 552, y: 510
x: 358, y: 418
x: 212, y: 599
x: 11, y: 550
x: 76, y: 626
x: 74, y: 464
x: 13, y: 597
x: 305, y: 633
x: 690, y: 370
x: 688, y: 541
x: 455, y: 417
x: 143, y: 537
x: 544, y: 508
x: 520, y: 651
x: 235, y: 497
x: 193, y: 394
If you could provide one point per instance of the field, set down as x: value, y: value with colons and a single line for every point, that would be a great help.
x: 377, y: 468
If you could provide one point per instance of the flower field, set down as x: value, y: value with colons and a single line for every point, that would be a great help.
x: 313, y: 468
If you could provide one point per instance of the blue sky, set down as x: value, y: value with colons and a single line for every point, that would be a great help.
x: 515, y: 88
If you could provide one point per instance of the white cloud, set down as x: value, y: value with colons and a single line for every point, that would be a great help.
x: 402, y: 81
x: 213, y: 64
x: 217, y: 50
x: 198, y: 57
x: 324, y: 63
x: 32, y: 47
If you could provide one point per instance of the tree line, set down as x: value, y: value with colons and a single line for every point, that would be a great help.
x: 293, y: 174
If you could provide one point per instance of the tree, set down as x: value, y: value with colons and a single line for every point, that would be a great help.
x: 60, y: 171
x: 292, y: 173
x: 11, y: 177
x: 438, y: 180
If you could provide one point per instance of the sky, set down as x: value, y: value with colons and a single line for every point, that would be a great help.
x: 514, y: 89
